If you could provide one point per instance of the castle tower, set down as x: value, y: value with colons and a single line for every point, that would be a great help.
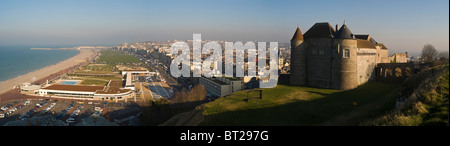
x: 298, y: 60
x: 344, y: 65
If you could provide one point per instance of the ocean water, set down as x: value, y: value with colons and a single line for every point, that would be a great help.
x: 19, y: 60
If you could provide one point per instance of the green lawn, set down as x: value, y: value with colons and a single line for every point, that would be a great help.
x: 116, y: 57
x: 290, y: 105
x: 94, y: 82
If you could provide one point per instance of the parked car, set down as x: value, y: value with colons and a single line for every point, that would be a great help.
x: 27, y: 114
x: 7, y: 113
x: 13, y: 109
x: 70, y: 120
x: 4, y: 107
x: 98, y: 108
x: 23, y: 118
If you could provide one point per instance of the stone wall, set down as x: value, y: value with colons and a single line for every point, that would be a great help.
x: 382, y: 55
x: 298, y: 63
x: 366, y: 63
x: 345, y: 69
x: 318, y: 62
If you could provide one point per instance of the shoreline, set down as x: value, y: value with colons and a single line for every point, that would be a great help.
x: 84, y: 55
x: 74, y: 48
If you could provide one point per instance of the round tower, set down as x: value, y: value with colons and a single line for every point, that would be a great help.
x: 298, y: 60
x: 344, y: 62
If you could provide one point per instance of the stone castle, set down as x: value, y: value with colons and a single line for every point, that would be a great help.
x: 325, y: 57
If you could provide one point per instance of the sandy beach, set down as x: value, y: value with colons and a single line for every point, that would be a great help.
x: 83, y: 56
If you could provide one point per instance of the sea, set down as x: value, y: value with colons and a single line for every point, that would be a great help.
x: 20, y: 60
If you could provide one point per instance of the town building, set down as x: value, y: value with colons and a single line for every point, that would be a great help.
x: 221, y: 86
x: 113, y: 91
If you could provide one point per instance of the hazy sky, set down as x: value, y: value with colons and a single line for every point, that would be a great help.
x: 403, y: 25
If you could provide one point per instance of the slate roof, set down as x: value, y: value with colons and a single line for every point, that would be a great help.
x: 320, y: 30
x: 344, y: 33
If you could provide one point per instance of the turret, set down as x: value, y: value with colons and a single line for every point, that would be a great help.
x: 298, y: 60
x: 344, y: 65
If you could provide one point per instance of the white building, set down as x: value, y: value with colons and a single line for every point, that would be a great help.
x: 221, y: 86
x: 112, y: 91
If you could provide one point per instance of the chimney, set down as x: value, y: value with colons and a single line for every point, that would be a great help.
x: 37, y: 122
x: 337, y: 27
x: 95, y: 119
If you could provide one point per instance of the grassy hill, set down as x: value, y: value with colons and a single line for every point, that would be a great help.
x: 423, y: 101
x: 291, y: 105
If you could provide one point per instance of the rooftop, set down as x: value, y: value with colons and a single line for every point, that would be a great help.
x: 320, y: 30
x: 112, y: 90
x: 365, y: 44
x: 344, y: 33
x: 83, y: 88
x: 80, y: 88
x: 115, y: 83
x: 297, y: 35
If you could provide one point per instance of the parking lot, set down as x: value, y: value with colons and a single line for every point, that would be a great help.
x: 69, y: 111
x: 157, y: 89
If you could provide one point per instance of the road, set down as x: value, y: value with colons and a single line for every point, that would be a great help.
x: 169, y: 79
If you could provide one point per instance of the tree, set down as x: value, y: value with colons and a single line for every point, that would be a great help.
x: 428, y: 53
x: 197, y: 93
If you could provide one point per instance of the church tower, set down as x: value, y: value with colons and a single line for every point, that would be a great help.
x: 344, y: 64
x: 298, y: 60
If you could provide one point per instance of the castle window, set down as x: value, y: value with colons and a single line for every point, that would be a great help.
x: 314, y: 52
x: 346, y: 53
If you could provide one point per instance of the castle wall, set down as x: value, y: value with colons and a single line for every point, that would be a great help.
x: 398, y: 58
x: 366, y: 62
x: 345, y: 69
x: 298, y: 63
x: 383, y: 56
x: 318, y: 62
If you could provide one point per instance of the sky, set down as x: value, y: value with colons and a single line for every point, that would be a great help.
x: 402, y: 25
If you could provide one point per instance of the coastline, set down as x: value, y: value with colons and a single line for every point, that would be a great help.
x: 84, y: 55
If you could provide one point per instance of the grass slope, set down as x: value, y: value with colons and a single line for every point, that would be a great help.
x: 423, y: 101
x: 291, y: 105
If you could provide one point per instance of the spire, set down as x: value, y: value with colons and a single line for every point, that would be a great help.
x: 298, y: 34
